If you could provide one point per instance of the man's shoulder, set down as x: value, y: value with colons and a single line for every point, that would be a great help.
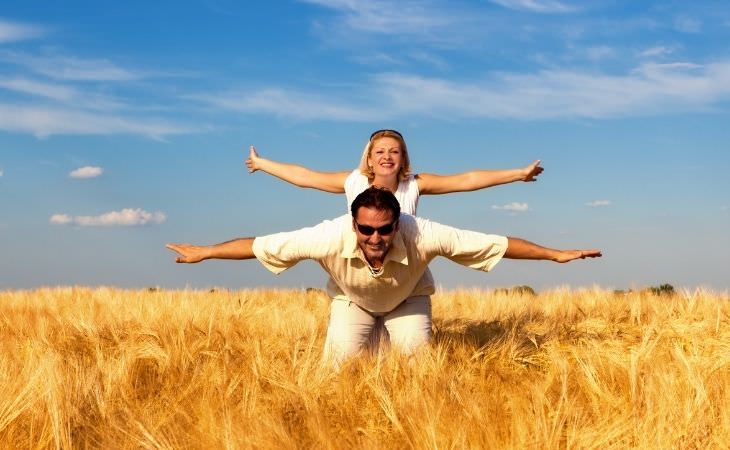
x: 412, y: 226
x: 415, y: 222
x: 327, y: 228
x: 336, y: 225
x: 315, y: 242
x: 419, y: 228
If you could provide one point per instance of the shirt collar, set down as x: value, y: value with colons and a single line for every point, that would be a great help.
x: 397, y: 252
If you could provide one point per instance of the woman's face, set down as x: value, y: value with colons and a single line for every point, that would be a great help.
x: 386, y: 157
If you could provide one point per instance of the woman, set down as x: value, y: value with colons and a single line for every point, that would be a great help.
x: 385, y: 163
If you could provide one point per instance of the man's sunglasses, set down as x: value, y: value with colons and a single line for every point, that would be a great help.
x: 385, y: 131
x: 367, y: 230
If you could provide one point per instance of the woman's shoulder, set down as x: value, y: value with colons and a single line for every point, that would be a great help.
x: 356, y: 175
x: 355, y: 183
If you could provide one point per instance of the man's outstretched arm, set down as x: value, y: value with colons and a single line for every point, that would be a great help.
x: 235, y: 249
x: 521, y: 249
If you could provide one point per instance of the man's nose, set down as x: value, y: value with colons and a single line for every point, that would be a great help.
x: 376, y: 237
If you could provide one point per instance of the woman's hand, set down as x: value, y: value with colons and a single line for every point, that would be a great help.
x: 531, y: 172
x: 253, y: 160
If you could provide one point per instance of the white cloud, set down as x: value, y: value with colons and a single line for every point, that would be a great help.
x: 1, y: 172
x: 70, y: 68
x: 659, y: 50
x: 61, y: 219
x: 687, y: 24
x: 47, y: 90
x: 599, y: 203
x: 413, y: 17
x: 649, y: 89
x: 287, y: 103
x: 44, y: 121
x: 539, y: 6
x: 64, y: 95
x: 514, y: 206
x: 125, y: 218
x: 86, y: 172
x: 430, y: 59
x: 600, y: 53
x: 13, y: 31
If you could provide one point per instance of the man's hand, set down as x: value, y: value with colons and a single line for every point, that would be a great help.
x: 521, y: 249
x: 253, y: 160
x: 189, y: 253
x: 569, y: 255
x: 531, y: 172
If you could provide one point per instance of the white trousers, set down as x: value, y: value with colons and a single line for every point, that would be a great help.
x: 350, y: 327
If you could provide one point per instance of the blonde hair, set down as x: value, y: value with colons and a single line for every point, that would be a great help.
x: 405, y: 168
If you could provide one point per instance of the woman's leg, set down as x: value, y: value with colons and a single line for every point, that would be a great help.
x: 348, y: 332
x: 409, y: 325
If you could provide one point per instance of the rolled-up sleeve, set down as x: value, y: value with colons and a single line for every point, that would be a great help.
x: 469, y: 248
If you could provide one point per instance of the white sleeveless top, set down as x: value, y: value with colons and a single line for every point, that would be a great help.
x: 407, y: 193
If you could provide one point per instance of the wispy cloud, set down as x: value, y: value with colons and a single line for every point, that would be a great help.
x: 687, y: 24
x: 430, y: 59
x: 538, y: 6
x: 658, y: 50
x: 596, y: 203
x: 80, y: 99
x: 125, y: 218
x: 62, y: 94
x: 70, y: 68
x: 649, y: 89
x: 514, y: 207
x: 36, y: 88
x: 600, y: 53
x: 44, y: 121
x: 412, y: 17
x: 286, y: 103
x: 86, y: 172
x: 15, y: 31
x: 1, y: 172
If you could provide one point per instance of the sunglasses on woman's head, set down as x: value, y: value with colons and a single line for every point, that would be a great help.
x: 367, y: 230
x: 385, y: 131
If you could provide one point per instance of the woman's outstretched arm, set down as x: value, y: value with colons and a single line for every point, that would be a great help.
x: 473, y: 180
x: 298, y: 175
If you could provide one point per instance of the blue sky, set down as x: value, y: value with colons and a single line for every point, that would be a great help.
x: 124, y: 125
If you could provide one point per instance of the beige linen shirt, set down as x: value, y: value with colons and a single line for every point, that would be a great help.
x: 333, y: 244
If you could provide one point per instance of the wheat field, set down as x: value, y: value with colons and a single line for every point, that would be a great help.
x: 566, y: 369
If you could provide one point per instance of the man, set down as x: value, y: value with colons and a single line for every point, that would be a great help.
x: 375, y: 258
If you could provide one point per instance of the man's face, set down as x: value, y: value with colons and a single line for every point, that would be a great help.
x: 375, y: 233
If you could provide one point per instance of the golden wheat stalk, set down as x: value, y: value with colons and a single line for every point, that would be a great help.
x: 586, y: 369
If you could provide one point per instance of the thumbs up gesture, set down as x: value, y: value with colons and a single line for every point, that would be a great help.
x: 531, y: 172
x: 253, y: 160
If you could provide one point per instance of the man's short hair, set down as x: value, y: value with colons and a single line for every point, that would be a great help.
x: 377, y: 198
